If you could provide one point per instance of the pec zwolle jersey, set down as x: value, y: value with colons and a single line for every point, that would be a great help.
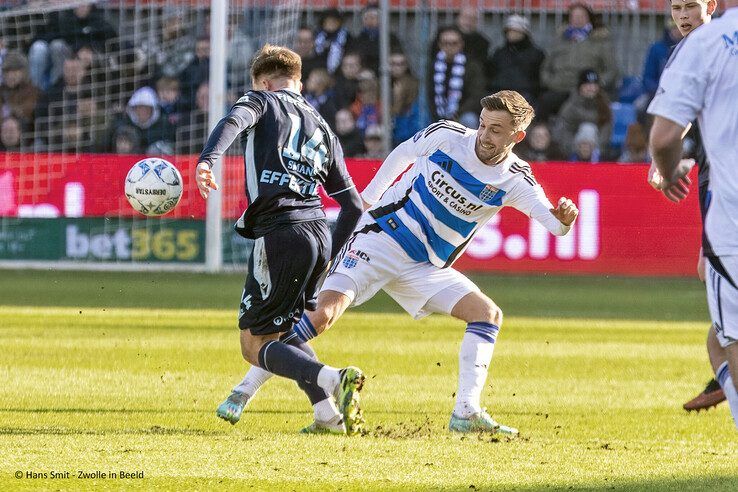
x: 436, y: 207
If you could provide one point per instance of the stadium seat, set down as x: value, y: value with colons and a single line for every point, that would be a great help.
x: 629, y: 90
x: 623, y: 114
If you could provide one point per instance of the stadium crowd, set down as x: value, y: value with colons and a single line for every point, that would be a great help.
x: 50, y: 97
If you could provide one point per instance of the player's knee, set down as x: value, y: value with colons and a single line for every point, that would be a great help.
x: 322, y: 319
x: 493, y: 313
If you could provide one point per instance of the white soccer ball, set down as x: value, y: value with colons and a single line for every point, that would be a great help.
x: 153, y: 186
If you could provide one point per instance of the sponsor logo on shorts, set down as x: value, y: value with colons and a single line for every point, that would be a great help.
x: 278, y: 320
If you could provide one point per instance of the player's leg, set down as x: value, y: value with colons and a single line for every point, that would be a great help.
x: 424, y: 289
x: 722, y: 299
x: 272, y: 297
x: 232, y: 407
x: 713, y: 393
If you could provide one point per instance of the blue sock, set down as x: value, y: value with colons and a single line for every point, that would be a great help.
x: 304, y: 329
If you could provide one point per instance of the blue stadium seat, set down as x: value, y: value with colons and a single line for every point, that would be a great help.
x: 623, y: 114
x: 630, y: 88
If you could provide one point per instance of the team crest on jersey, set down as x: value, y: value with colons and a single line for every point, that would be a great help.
x: 487, y: 193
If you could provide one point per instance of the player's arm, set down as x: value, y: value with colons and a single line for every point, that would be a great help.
x: 532, y: 201
x: 666, y: 149
x: 399, y: 159
x: 244, y: 114
x: 341, y: 188
x: 678, y: 101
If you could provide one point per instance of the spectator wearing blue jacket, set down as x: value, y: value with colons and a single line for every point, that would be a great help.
x: 656, y: 58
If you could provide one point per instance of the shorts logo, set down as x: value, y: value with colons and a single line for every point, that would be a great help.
x: 487, y: 193
x: 278, y: 320
x: 350, y: 261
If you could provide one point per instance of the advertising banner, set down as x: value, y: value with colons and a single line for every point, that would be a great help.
x: 98, y: 239
x: 625, y: 227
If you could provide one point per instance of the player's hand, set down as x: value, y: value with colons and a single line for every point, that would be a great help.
x: 676, y: 189
x: 205, y: 180
x: 655, y: 179
x: 566, y: 211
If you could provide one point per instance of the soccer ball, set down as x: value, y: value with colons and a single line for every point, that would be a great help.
x: 153, y: 186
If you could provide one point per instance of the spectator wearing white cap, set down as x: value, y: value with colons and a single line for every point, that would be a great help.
x: 516, y: 65
x: 586, y: 144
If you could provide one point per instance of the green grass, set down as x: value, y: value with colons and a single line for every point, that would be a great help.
x: 113, y: 372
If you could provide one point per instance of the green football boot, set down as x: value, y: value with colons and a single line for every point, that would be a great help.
x: 352, y: 380
x: 480, y: 422
x: 230, y: 410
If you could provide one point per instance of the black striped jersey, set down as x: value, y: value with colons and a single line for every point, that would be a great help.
x: 289, y: 151
x: 447, y: 194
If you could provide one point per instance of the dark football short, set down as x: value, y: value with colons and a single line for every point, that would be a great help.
x: 284, y: 271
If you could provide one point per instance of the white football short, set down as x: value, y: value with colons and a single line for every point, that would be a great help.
x: 371, y: 261
x: 722, y: 298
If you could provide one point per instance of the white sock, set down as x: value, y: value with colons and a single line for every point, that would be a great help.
x: 325, y: 410
x: 255, y: 377
x: 475, y: 355
x: 328, y: 379
x: 726, y: 382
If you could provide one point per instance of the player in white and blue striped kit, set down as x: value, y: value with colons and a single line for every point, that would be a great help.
x: 416, y: 227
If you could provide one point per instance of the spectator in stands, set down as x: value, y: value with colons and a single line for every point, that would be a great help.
x: 516, y: 65
x: 11, y: 133
x: 91, y: 123
x: 656, y: 58
x: 177, y: 48
x: 18, y: 96
x: 405, y: 106
x: 456, y: 82
x: 588, y: 104
x: 193, y: 129
x: 583, y: 44
x: 318, y: 91
x: 155, y: 133
x: 475, y: 43
x: 305, y: 47
x: 367, y: 42
x: 373, y: 143
x: 240, y: 53
x: 366, y: 107
x: 126, y: 140
x: 586, y: 144
x: 635, y: 148
x: 347, y: 80
x: 196, y: 73
x: 65, y: 33
x: 331, y: 40
x: 348, y: 135
x: 59, y: 100
x: 538, y: 145
x: 170, y: 101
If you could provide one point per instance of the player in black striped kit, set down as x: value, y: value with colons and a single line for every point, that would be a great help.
x: 289, y: 151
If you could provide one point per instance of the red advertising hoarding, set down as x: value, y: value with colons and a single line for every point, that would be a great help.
x: 625, y: 227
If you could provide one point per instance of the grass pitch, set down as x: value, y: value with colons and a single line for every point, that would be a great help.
x: 106, y: 373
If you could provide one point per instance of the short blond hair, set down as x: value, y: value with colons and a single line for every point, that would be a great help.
x: 276, y: 62
x: 521, y: 111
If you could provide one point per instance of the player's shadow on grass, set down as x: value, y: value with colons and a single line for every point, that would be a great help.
x: 711, y: 483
